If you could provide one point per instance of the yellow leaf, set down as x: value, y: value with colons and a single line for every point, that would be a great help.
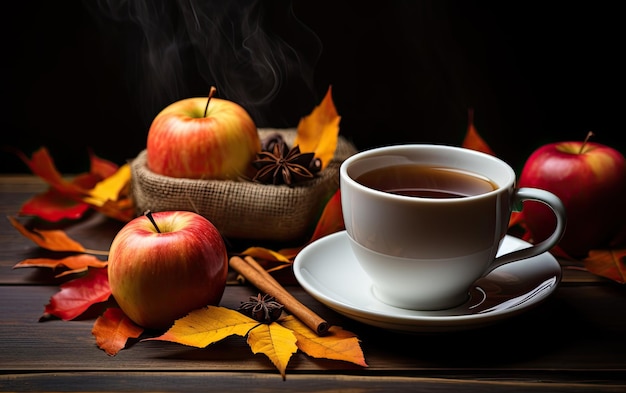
x: 338, y: 344
x: 110, y: 188
x: 206, y: 326
x: 318, y: 132
x: 276, y: 342
x: 266, y: 254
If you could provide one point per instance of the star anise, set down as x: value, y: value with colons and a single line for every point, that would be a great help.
x: 282, y: 165
x: 262, y: 308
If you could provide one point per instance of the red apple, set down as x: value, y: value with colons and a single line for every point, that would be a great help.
x: 159, y: 272
x: 202, y: 138
x: 590, y: 179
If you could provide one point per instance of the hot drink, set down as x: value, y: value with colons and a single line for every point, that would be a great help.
x: 426, y: 181
x: 424, y: 252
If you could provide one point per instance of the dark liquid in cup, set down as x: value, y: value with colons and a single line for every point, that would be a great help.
x: 426, y: 181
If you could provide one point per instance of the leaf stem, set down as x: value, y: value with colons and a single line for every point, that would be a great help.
x: 95, y: 252
x: 148, y: 214
x: 211, y: 94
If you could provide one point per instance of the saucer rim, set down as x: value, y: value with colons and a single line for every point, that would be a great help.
x: 420, y: 323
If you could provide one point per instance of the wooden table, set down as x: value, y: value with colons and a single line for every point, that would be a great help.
x: 573, y: 342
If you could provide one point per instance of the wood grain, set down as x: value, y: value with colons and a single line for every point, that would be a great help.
x: 573, y: 342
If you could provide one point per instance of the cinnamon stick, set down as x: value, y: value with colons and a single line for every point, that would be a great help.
x: 260, y: 278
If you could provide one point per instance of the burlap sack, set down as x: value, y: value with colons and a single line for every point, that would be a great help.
x: 243, y: 209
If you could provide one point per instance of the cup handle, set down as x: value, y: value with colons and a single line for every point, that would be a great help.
x: 554, y: 203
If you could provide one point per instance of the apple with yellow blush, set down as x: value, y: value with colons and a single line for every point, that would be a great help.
x: 202, y: 138
x: 164, y: 265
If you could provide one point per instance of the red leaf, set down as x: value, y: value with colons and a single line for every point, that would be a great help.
x: 77, y: 295
x: 113, y: 329
x: 54, y: 206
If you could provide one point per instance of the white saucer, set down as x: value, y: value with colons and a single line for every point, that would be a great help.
x: 328, y: 271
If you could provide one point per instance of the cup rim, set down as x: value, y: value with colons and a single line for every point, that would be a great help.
x: 381, y: 150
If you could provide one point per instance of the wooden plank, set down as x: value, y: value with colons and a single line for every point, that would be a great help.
x: 97, y: 381
x: 577, y: 329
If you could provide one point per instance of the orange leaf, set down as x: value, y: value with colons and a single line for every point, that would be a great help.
x: 331, y: 220
x: 77, y: 295
x: 54, y: 240
x: 318, y: 132
x: 75, y: 263
x: 608, y: 263
x: 122, y: 210
x: 266, y: 254
x: 43, y: 166
x: 337, y: 344
x: 472, y: 139
x: 276, y: 342
x: 113, y: 329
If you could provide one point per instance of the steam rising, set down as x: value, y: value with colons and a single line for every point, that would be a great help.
x: 178, y: 49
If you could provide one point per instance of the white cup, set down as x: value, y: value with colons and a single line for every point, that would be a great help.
x: 423, y: 253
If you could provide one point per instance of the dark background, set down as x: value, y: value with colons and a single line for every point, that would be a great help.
x: 80, y: 75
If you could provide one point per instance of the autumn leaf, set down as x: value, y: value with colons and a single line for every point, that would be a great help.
x: 111, y: 196
x: 53, y: 206
x: 122, y: 210
x: 472, y: 139
x: 266, y: 254
x: 110, y: 188
x: 331, y: 220
x: 104, y: 188
x: 206, y: 326
x: 337, y: 344
x: 74, y: 263
x: 274, y: 341
x: 319, y: 131
x: 101, y: 167
x: 278, y: 340
x: 51, y: 239
x: 610, y: 263
x: 113, y: 329
x: 77, y: 295
x: 42, y: 165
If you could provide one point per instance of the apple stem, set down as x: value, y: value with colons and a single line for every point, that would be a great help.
x: 211, y: 94
x: 148, y: 214
x: 589, y: 135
